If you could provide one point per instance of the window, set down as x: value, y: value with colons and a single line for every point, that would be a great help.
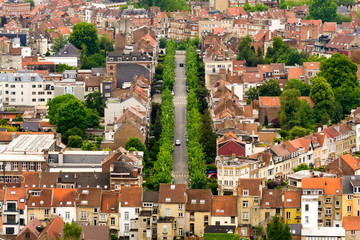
x: 46, y: 212
x: 349, y: 197
x: 31, y: 166
x: 38, y: 166
x: 137, y: 210
x: 328, y: 200
x: 168, y: 212
x: 328, y: 211
x: 328, y: 223
x: 127, y: 227
x: 180, y: 206
x: 352, y: 232
x: 15, y: 179
x: 7, y: 178
x: 245, y: 216
x: 245, y: 204
x: 126, y: 215
x: 24, y: 166
x: 165, y: 229
x: 306, y: 207
x: 7, y: 166
x: 67, y: 215
x: 181, y: 231
x: 245, y: 192
x: 306, y: 219
x: 15, y: 166
x: 181, y: 214
x: 31, y: 216
x: 349, y: 208
x: 83, y: 215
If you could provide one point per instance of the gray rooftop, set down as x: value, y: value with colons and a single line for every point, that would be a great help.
x: 21, y: 77
x: 346, y: 183
x: 32, y: 143
x: 307, y: 174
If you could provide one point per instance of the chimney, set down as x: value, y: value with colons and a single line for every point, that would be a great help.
x: 135, y: 172
x: 340, y: 162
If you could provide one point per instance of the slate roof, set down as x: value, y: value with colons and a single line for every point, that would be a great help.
x: 86, y: 179
x: 95, y: 232
x: 198, y: 200
x: 150, y: 196
x: 125, y: 72
x: 69, y: 50
x: 219, y: 229
x: 346, y: 185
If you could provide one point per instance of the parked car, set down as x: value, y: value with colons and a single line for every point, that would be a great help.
x: 212, y: 175
x: 177, y: 142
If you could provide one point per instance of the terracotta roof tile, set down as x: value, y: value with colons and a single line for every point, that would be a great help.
x: 54, y: 228
x: 63, y: 197
x: 295, y: 72
x: 88, y: 197
x: 351, y: 223
x: 353, y: 163
x: 172, y: 193
x: 198, y: 200
x: 253, y: 185
x: 31, y: 226
x: 271, y: 198
x: 311, y: 65
x: 292, y: 199
x: 269, y: 101
x: 40, y: 201
x: 131, y: 196
x: 110, y: 202
x: 30, y: 179
x: 331, y: 186
x: 16, y: 194
x: 224, y: 206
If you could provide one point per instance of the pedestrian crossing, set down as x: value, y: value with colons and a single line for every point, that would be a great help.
x: 178, y: 97
x: 180, y: 175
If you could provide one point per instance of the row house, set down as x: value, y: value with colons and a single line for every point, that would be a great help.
x: 16, y: 9
x: 341, y: 140
x: 179, y: 30
x: 302, y: 29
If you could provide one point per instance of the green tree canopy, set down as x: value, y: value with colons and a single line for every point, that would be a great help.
x: 301, y: 167
x: 59, y: 43
x: 19, y: 118
x: 298, y: 132
x: 324, y: 10
x: 338, y: 70
x: 75, y: 141
x: 323, y: 96
x: 299, y: 85
x: 85, y: 33
x: 276, y: 230
x: 134, y: 142
x: 106, y: 43
x: 247, y: 52
x: 62, y: 67
x: 252, y: 94
x: 96, y: 101
x: 270, y: 88
x: 71, y: 231
x: 289, y: 101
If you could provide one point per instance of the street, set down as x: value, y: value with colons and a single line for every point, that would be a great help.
x: 180, y: 168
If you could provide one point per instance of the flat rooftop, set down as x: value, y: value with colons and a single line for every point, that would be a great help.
x: 31, y: 143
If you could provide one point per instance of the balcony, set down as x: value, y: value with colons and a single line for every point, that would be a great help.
x: 337, y: 206
x: 11, y: 223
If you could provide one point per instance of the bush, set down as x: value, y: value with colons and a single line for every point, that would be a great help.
x: 75, y: 141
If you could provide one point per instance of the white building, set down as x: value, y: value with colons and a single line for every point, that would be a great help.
x: 70, y: 86
x: 63, y: 204
x: 114, y: 108
x: 25, y: 89
x: 129, y: 209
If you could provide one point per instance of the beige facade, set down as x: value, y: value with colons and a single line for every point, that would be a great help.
x: 88, y: 214
x: 43, y: 214
x: 197, y: 221
x: 175, y: 211
x: 248, y: 210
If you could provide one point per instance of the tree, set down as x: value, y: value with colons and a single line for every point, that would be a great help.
x: 270, y: 88
x: 106, y: 43
x: 96, y: 60
x: 75, y: 141
x: 85, y: 33
x: 71, y: 231
x: 135, y: 143
x: 59, y: 43
x: 89, y: 146
x: 95, y: 100
x: 247, y: 52
x: 67, y: 112
x: 162, y: 42
x: 276, y: 230
x: 62, y: 67
x: 322, y: 95
x: 340, y: 18
x: 19, y: 118
x: 301, y: 167
x: 299, y: 85
x: 208, y: 137
x: 348, y: 97
x: 345, y: 2
x: 324, y: 10
x: 338, y: 70
x: 298, y: 132
x: 252, y: 94
x: 289, y: 101
x: 305, y: 115
x: 283, y: 53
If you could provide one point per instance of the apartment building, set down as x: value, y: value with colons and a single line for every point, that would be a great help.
x: 148, y: 216
x: 350, y: 196
x: 129, y: 209
x: 172, y: 221
x: 198, y: 211
x: 39, y: 204
x: 14, y: 210
x: 224, y: 211
x: 88, y: 204
x: 25, y: 89
x: 109, y: 215
x: 248, y: 204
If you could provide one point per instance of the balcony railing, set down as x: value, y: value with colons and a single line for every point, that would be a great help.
x: 11, y: 223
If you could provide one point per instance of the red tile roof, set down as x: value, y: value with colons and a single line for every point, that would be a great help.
x: 63, y: 197
x: 131, y: 196
x: 54, y: 228
x: 351, y: 223
x: 329, y: 26
x: 292, y: 199
x: 172, y: 193
x: 16, y: 194
x: 311, y: 65
x: 253, y: 185
x: 271, y: 198
x: 42, y: 201
x: 224, y: 206
x: 331, y: 186
x: 110, y: 202
x: 295, y: 72
x: 198, y: 200
x: 353, y: 163
x: 269, y: 101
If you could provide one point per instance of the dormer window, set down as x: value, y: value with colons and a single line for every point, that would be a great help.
x: 246, y: 192
x: 356, y: 189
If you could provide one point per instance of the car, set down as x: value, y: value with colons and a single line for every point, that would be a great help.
x: 212, y: 175
x: 177, y: 142
x: 172, y: 92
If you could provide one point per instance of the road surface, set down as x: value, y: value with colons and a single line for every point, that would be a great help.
x: 180, y: 168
